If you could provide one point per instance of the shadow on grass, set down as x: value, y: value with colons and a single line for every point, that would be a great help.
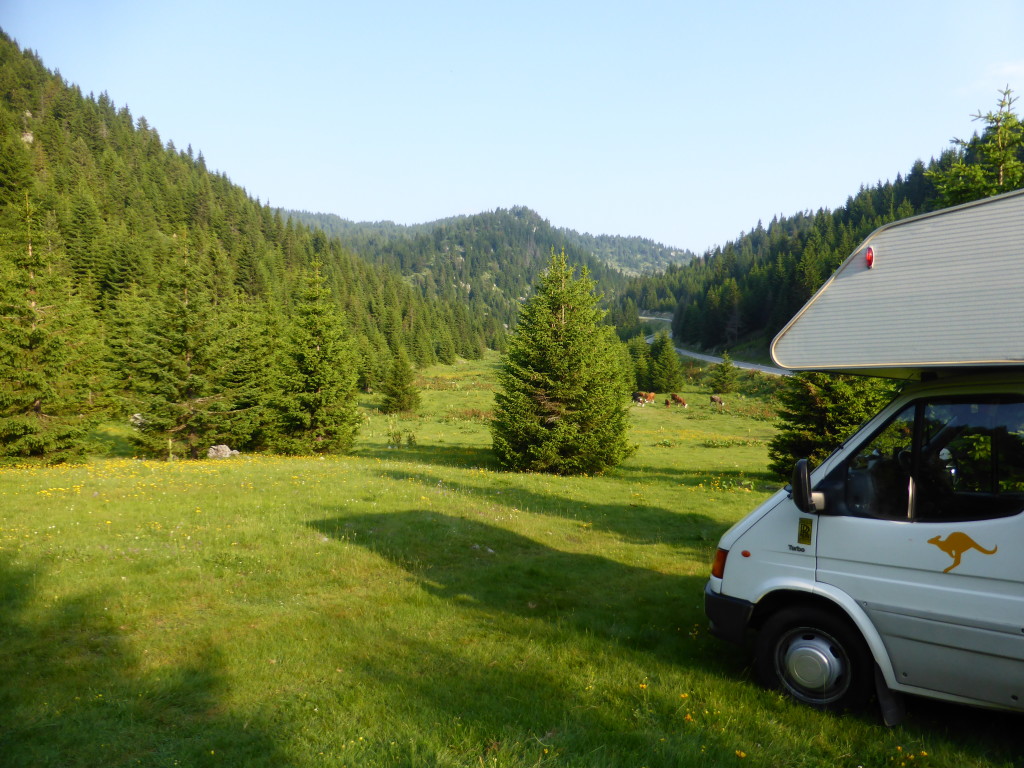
x: 483, y: 568
x: 636, y: 523
x: 576, y: 599
x: 517, y: 710
x: 496, y: 570
x: 466, y: 457
x: 692, y: 478
x: 997, y: 731
x: 73, y: 694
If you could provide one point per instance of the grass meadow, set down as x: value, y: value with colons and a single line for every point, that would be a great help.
x: 411, y: 606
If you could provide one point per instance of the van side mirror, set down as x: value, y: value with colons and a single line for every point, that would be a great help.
x: 800, y: 489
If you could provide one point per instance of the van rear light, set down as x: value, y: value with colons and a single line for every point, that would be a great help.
x: 718, y: 567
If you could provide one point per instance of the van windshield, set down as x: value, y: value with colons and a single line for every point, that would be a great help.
x: 942, y: 459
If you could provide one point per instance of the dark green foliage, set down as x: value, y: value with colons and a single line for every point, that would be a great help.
x: 316, y: 410
x: 746, y: 290
x: 631, y: 255
x: 565, y: 382
x: 117, y: 213
x: 724, y: 376
x: 250, y: 377
x: 640, y: 355
x: 50, y: 348
x: 985, y: 165
x: 666, y: 371
x: 400, y: 394
x: 490, y: 260
x: 818, y: 411
x: 172, y: 351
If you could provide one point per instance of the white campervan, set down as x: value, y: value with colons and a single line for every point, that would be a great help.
x: 897, y: 566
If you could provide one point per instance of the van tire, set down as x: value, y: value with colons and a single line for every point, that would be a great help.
x: 816, y: 657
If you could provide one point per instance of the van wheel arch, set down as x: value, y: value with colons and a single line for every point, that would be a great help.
x: 810, y: 650
x: 783, y: 599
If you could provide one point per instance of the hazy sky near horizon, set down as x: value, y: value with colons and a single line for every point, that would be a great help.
x: 682, y: 122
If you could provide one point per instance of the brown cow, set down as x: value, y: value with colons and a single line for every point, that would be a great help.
x: 676, y: 400
x: 643, y: 398
x: 717, y: 400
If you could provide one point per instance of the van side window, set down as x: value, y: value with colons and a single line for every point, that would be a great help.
x: 878, y: 475
x: 971, y: 460
x: 942, y: 459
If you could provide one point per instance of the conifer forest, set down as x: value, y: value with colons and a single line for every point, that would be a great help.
x: 139, y: 286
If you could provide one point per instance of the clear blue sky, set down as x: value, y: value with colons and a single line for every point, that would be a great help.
x: 685, y: 122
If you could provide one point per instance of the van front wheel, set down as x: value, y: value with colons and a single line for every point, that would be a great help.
x: 816, y: 657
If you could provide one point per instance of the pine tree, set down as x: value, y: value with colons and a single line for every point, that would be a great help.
x: 724, y: 376
x: 250, y: 377
x: 171, y: 349
x: 819, y: 411
x: 666, y: 372
x: 400, y: 394
x: 368, y: 353
x: 988, y: 165
x: 565, y: 382
x: 49, y: 346
x: 640, y: 353
x: 316, y: 411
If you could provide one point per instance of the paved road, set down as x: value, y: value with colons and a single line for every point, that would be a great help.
x: 769, y: 369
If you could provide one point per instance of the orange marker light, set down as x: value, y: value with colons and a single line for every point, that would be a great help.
x: 718, y: 568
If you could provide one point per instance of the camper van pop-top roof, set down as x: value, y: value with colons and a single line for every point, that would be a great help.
x: 940, y: 291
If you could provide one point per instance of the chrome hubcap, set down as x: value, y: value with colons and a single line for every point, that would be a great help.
x: 810, y: 663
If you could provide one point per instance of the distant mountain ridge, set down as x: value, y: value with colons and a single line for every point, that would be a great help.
x: 490, y: 260
x: 629, y: 255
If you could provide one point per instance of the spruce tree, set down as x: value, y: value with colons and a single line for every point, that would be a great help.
x: 49, y: 347
x: 316, y: 410
x: 251, y: 373
x: 724, y: 376
x: 400, y: 394
x: 640, y: 354
x: 986, y: 165
x: 171, y: 349
x: 666, y: 372
x: 368, y: 353
x: 819, y: 411
x: 563, y: 406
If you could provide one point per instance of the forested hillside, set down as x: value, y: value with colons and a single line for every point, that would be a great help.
x: 745, y: 291
x: 135, y: 280
x: 631, y: 255
x: 488, y: 260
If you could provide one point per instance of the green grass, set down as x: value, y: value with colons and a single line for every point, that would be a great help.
x: 410, y: 606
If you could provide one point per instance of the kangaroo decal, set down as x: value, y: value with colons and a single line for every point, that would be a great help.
x: 955, y: 544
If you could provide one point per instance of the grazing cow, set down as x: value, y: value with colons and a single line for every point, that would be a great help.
x: 676, y: 400
x: 717, y: 400
x: 643, y: 398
